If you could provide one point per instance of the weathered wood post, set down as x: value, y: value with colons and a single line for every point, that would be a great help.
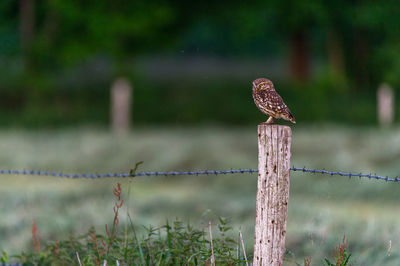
x: 121, y: 101
x: 274, y: 142
x: 385, y: 99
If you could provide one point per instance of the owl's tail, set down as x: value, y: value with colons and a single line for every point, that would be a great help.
x: 291, y: 118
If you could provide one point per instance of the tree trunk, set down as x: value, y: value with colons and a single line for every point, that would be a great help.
x: 299, y: 56
x: 27, y: 22
x: 335, y: 52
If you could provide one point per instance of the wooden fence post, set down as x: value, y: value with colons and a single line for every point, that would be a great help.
x: 385, y: 104
x: 274, y: 142
x: 121, y: 101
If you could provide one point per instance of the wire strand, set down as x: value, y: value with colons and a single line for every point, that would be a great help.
x: 197, y: 173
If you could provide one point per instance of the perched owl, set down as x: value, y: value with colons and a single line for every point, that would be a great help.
x: 270, y: 102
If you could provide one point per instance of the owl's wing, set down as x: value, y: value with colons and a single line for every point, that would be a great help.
x: 273, y: 101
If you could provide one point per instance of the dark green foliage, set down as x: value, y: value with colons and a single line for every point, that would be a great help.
x: 79, y: 48
x: 171, y: 244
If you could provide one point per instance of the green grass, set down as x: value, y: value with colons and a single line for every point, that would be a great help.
x: 170, y: 244
x: 321, y: 209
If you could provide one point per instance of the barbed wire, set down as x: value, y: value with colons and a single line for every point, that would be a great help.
x: 348, y: 174
x: 196, y: 173
x: 127, y: 175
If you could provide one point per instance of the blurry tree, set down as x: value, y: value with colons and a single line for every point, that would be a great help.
x: 356, y: 32
x: 332, y: 21
x: 357, y: 41
x: 377, y: 26
x: 296, y: 19
x: 27, y: 23
x: 78, y: 30
x: 8, y: 28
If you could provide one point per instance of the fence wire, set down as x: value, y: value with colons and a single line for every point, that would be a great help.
x: 196, y: 173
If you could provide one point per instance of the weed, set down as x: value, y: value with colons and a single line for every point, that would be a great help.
x: 35, y: 237
x: 340, y: 255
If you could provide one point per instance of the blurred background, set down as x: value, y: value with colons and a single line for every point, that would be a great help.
x: 186, y: 69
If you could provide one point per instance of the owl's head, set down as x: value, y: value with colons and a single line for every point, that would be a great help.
x: 263, y: 84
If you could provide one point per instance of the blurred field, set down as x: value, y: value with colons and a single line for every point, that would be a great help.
x: 321, y: 210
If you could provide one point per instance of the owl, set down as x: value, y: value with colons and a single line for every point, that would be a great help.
x: 270, y: 102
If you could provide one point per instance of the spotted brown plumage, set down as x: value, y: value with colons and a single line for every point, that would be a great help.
x: 269, y: 101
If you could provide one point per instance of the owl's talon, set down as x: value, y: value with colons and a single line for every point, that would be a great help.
x: 270, y: 121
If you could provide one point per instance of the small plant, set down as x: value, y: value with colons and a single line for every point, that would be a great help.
x: 4, y: 258
x: 35, y: 237
x: 340, y: 255
x: 307, y: 261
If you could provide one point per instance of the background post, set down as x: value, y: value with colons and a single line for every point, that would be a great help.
x: 385, y: 104
x: 121, y: 101
x: 274, y: 142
